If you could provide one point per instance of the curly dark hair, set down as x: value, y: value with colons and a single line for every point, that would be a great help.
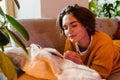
x: 82, y: 14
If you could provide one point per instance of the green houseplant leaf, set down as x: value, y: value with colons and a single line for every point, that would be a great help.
x: 3, y: 39
x: 17, y: 41
x: 118, y: 13
x: 1, y: 11
x: 17, y: 4
x: 18, y: 27
x: 92, y: 5
x: 7, y: 66
x: 117, y: 4
x: 106, y: 9
x: 5, y: 34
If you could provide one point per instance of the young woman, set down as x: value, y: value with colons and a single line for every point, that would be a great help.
x: 85, y: 45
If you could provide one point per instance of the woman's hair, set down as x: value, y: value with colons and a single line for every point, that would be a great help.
x: 83, y: 15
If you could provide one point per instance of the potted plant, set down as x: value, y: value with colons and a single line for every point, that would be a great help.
x: 5, y: 64
x: 106, y: 9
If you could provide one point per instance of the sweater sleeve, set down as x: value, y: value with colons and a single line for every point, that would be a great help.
x: 103, y: 57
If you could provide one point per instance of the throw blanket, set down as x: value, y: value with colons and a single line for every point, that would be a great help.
x: 48, y: 63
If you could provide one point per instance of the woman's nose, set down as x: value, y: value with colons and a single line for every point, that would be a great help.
x: 69, y: 30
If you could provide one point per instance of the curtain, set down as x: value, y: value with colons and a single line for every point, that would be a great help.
x: 10, y: 7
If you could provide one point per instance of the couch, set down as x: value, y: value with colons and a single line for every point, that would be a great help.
x: 45, y: 33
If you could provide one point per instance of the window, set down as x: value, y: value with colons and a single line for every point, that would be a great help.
x: 8, y: 7
x: 2, y: 4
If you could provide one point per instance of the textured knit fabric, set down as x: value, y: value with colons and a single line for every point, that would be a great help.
x: 102, y: 55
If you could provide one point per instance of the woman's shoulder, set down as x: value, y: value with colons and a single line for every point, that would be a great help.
x: 101, y: 37
x: 101, y: 34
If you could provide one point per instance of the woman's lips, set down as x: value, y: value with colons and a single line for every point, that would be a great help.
x: 72, y: 36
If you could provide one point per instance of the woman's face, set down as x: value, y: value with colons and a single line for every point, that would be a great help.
x: 73, y: 29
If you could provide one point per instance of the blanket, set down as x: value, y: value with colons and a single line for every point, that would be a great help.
x: 48, y: 63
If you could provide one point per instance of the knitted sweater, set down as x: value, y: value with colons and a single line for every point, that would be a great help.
x: 102, y: 55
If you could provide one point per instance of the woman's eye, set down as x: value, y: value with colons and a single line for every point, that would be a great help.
x: 73, y: 25
x: 65, y: 28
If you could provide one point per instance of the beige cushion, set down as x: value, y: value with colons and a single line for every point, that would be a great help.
x: 108, y: 26
x: 43, y: 32
x: 17, y: 56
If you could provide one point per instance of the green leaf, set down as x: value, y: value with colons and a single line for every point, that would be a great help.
x: 17, y: 4
x: 4, y: 30
x: 1, y: 11
x: 118, y: 13
x: 7, y: 66
x: 3, y: 39
x: 17, y: 41
x: 118, y: 4
x: 92, y: 5
x: 2, y: 48
x: 18, y: 27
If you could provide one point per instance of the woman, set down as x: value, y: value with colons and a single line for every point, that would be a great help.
x: 85, y: 45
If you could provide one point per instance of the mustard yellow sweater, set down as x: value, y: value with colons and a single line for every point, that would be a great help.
x: 102, y: 55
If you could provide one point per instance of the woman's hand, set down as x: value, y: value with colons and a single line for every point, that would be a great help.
x: 73, y: 57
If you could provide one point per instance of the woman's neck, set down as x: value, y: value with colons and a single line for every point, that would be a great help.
x: 84, y: 43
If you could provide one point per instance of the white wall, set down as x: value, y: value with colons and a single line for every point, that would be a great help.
x: 103, y: 1
x: 51, y: 8
x: 44, y: 8
x: 29, y: 9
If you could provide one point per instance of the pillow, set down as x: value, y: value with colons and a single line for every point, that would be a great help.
x: 17, y: 56
x: 108, y: 26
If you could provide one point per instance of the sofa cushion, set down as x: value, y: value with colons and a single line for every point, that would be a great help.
x: 43, y: 32
x: 17, y: 56
x: 108, y: 26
